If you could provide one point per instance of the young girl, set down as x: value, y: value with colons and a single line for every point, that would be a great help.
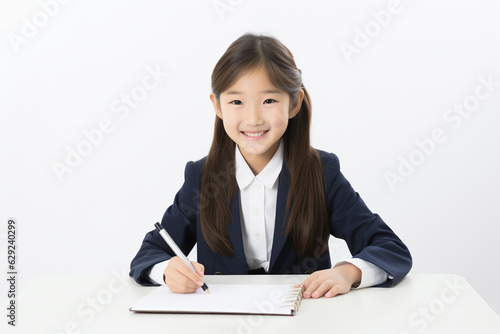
x: 263, y: 200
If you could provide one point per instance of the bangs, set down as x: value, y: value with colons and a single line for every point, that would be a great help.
x: 250, y: 52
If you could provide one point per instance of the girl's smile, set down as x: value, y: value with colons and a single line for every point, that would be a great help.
x: 252, y: 135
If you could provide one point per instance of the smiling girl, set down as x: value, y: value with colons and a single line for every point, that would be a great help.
x: 264, y: 201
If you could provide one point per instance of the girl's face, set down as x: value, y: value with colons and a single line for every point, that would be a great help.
x: 255, y: 115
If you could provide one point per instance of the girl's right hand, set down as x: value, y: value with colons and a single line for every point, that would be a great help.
x: 180, y: 278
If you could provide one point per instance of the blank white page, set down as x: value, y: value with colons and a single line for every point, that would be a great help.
x: 276, y: 299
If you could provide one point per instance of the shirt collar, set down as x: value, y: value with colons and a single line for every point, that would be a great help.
x: 268, y: 176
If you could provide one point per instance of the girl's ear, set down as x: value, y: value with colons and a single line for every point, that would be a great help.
x: 216, y: 105
x: 296, y: 108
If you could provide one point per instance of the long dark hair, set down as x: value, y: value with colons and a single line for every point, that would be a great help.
x: 306, y: 203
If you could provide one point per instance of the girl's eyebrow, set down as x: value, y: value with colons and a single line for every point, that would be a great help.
x: 269, y: 91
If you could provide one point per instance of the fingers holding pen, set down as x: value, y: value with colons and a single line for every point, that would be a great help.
x: 180, y: 278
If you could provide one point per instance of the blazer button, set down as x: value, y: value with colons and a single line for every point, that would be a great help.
x: 218, y: 273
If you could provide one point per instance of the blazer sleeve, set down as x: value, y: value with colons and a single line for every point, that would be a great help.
x: 366, y: 234
x: 179, y: 221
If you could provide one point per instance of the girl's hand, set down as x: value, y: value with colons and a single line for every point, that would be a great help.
x: 180, y: 278
x: 332, y: 282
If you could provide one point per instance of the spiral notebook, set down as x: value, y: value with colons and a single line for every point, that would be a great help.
x: 262, y: 299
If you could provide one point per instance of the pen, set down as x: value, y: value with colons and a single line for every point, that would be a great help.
x: 177, y: 251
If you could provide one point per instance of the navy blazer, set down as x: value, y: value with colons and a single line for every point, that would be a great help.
x: 365, y: 233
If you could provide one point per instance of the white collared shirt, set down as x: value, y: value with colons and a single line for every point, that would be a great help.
x: 258, y: 194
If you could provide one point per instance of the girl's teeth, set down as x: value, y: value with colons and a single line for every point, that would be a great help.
x: 254, y: 134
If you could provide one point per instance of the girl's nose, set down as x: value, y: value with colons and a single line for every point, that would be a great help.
x: 253, y: 116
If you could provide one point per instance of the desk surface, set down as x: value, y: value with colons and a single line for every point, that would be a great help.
x: 430, y: 303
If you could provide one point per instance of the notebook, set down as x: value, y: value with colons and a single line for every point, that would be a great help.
x: 262, y: 299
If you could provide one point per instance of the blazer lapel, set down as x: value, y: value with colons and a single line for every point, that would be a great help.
x: 280, y: 223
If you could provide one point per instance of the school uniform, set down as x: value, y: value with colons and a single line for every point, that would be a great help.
x: 258, y: 239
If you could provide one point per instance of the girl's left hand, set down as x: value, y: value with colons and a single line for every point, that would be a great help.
x: 331, y: 282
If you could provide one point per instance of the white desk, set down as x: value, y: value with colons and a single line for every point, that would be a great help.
x: 419, y: 304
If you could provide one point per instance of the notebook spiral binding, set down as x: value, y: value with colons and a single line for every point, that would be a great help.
x: 294, y: 298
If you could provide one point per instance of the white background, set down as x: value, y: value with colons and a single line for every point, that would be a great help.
x: 369, y: 109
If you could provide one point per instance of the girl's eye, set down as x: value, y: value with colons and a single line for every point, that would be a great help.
x: 237, y: 102
x: 269, y: 101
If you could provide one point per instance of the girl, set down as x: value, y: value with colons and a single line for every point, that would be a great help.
x: 263, y: 200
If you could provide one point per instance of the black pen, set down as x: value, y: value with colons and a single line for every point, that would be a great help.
x: 177, y: 251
